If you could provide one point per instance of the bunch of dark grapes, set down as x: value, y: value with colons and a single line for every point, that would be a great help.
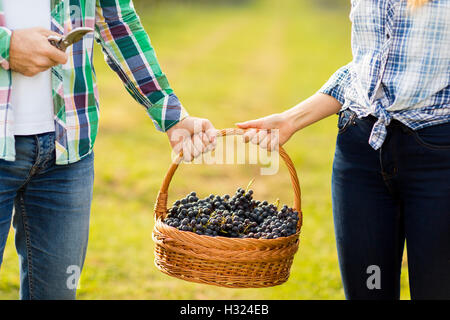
x: 238, y: 216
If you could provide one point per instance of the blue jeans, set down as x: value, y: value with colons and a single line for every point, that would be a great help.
x: 51, y: 216
x: 386, y: 197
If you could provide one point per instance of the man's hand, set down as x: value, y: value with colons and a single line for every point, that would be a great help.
x: 192, y: 136
x: 30, y: 52
x: 269, y: 132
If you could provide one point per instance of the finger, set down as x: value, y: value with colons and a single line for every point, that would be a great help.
x: 44, y: 63
x: 198, y: 142
x: 274, y: 142
x: 198, y: 125
x: 211, y: 146
x: 51, y: 52
x: 196, y: 146
x: 178, y: 147
x: 188, y: 147
x: 249, y: 134
x: 265, y: 141
x: 58, y: 56
x: 207, y: 145
x: 31, y: 72
x: 192, y: 148
x: 211, y: 135
x: 259, y: 136
x: 47, y: 32
x: 209, y: 129
x: 177, y: 138
x: 258, y: 123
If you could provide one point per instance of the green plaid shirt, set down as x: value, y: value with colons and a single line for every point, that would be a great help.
x: 128, y: 52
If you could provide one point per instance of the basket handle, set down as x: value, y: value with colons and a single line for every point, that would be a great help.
x: 161, y: 201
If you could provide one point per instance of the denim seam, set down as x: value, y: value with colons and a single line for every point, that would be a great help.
x: 38, y: 151
x: 34, y: 166
x: 387, y: 182
x: 49, y: 156
x: 28, y: 245
x: 386, y: 176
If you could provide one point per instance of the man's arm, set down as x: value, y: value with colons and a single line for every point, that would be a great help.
x: 128, y: 51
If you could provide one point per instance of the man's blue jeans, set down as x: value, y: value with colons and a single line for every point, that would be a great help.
x: 386, y: 197
x: 51, y: 216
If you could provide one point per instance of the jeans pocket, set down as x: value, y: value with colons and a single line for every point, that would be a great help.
x: 346, y: 118
x: 436, y: 137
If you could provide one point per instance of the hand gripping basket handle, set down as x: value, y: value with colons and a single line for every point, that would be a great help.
x: 161, y: 201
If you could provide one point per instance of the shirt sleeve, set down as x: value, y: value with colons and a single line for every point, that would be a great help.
x: 128, y: 51
x: 5, y: 40
x: 337, y: 84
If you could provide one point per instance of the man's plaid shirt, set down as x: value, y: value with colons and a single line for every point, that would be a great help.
x: 401, y: 65
x: 127, y: 50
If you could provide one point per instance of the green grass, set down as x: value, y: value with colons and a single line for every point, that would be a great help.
x: 227, y: 64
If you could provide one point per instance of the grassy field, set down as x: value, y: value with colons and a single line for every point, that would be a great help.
x: 228, y: 64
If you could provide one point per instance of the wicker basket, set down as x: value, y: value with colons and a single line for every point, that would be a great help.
x: 221, y: 261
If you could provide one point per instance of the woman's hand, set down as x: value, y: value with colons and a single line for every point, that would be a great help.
x: 192, y: 136
x: 269, y: 132
x: 275, y: 130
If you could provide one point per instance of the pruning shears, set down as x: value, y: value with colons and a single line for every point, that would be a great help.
x: 62, y: 43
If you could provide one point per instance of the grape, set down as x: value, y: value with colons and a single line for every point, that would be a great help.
x: 236, y: 216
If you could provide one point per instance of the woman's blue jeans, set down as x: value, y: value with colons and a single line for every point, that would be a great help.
x: 386, y: 197
x: 51, y: 216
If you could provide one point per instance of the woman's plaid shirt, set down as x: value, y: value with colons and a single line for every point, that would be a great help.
x: 401, y: 65
x: 127, y: 50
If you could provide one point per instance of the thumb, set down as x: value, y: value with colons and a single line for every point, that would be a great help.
x: 210, y: 131
x: 250, y: 124
x: 46, y: 32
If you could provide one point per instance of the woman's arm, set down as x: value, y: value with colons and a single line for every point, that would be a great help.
x: 277, y: 129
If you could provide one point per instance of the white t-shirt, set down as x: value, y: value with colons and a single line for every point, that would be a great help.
x: 31, y: 97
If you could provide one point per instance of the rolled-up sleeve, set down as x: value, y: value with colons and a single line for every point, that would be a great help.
x: 5, y: 40
x: 129, y: 52
x: 337, y: 84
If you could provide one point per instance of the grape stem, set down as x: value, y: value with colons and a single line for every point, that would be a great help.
x: 249, y: 185
x: 277, y: 203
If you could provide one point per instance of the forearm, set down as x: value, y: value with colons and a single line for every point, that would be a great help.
x: 311, y: 110
x: 131, y: 55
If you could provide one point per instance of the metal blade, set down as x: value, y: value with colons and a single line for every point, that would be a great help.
x: 69, y: 39
x: 76, y: 35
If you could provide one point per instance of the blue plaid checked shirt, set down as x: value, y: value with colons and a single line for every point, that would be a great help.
x: 401, y: 65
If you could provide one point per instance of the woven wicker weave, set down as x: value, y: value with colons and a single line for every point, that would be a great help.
x: 221, y: 261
